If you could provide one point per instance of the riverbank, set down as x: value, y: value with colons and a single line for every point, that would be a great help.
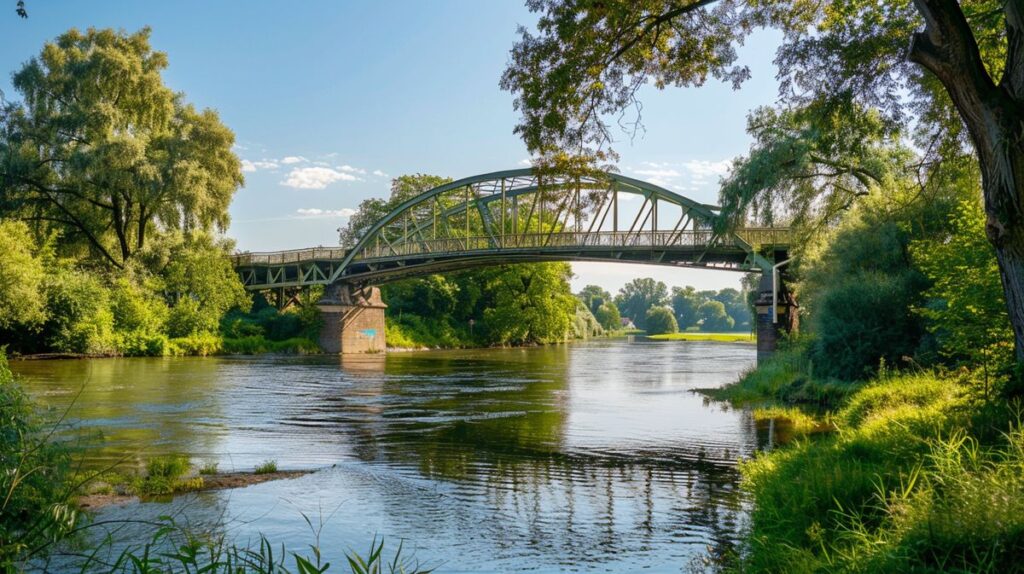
x: 905, y: 472
x: 700, y: 336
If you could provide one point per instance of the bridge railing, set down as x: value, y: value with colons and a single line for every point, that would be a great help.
x: 654, y: 239
x: 292, y: 256
x: 754, y: 236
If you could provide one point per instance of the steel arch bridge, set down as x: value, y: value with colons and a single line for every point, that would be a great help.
x: 518, y: 216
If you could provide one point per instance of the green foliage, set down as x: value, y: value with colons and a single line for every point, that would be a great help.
x: 165, y: 475
x: 372, y: 210
x: 122, y: 154
x: 608, y: 316
x: 584, y: 324
x: 258, y: 344
x: 266, y: 467
x: 528, y: 303
x: 174, y: 549
x: 36, y: 504
x: 208, y: 468
x: 81, y: 320
x: 204, y: 285
x: 965, y: 307
x: 593, y: 296
x: 660, y: 320
x: 22, y: 274
x: 639, y: 295
x: 714, y: 318
x: 902, y: 487
x: 685, y: 303
x: 198, y: 344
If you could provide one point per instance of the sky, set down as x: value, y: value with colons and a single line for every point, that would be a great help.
x: 329, y: 100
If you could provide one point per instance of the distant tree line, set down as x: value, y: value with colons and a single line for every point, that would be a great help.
x: 643, y: 299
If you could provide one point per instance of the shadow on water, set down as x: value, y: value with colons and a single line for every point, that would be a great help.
x: 583, y: 457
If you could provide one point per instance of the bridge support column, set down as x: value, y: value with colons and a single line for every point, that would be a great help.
x: 786, y: 319
x: 353, y: 320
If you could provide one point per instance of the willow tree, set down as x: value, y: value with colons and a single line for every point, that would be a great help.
x: 954, y: 71
x: 101, y: 150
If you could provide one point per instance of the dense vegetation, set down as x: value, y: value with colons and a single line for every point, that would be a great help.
x: 901, y: 173
x: 110, y: 221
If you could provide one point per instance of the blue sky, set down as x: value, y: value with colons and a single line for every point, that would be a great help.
x: 328, y: 100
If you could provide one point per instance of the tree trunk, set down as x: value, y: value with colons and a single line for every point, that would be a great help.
x: 994, y: 117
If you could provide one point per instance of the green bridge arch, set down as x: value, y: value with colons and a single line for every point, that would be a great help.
x: 523, y: 215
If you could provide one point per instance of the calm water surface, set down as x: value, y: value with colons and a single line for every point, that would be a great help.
x: 587, y: 457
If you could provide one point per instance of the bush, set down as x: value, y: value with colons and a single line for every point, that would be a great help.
x: 202, y: 344
x: 861, y: 323
x: 81, y: 320
x: 660, y: 320
x: 266, y: 467
x: 37, y: 505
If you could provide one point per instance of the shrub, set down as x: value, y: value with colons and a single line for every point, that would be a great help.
x: 266, y: 467
x: 201, y: 344
x: 80, y: 317
x: 608, y: 316
x: 166, y: 475
x: 37, y: 505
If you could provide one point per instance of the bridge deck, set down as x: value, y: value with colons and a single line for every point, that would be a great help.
x: 386, y: 262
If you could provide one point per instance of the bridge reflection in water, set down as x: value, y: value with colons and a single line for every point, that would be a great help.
x: 587, y: 456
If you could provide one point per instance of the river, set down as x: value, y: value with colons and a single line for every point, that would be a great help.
x: 596, y: 456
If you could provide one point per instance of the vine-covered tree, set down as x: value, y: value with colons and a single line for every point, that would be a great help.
x: 101, y: 150
x: 960, y: 83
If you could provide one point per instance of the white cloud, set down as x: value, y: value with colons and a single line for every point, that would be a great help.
x: 249, y: 166
x: 380, y: 173
x: 660, y: 174
x: 350, y: 169
x: 525, y: 162
x: 315, y: 177
x: 702, y: 169
x: 316, y: 212
x: 293, y: 159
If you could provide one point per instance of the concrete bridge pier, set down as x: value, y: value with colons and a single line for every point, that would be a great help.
x: 353, y: 320
x: 770, y: 330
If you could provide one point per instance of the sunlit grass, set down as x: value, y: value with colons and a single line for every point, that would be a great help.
x: 266, y: 467
x: 698, y: 336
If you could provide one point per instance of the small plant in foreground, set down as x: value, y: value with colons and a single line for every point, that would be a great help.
x: 267, y: 467
x: 208, y: 468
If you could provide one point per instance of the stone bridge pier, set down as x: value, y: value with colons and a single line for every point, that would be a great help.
x: 772, y: 327
x: 353, y: 320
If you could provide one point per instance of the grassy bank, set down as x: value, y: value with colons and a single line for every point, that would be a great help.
x: 920, y: 473
x: 698, y: 336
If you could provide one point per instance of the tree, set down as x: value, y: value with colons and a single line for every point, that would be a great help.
x: 685, y: 303
x: 660, y: 320
x: 736, y: 307
x: 965, y: 308
x: 529, y: 303
x: 962, y: 81
x: 403, y: 188
x: 199, y: 279
x: 639, y: 295
x: 608, y: 316
x: 22, y: 273
x: 594, y: 296
x: 714, y: 318
x: 103, y: 151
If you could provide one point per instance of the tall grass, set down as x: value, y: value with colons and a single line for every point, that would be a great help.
x: 904, y: 484
x: 175, y: 549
